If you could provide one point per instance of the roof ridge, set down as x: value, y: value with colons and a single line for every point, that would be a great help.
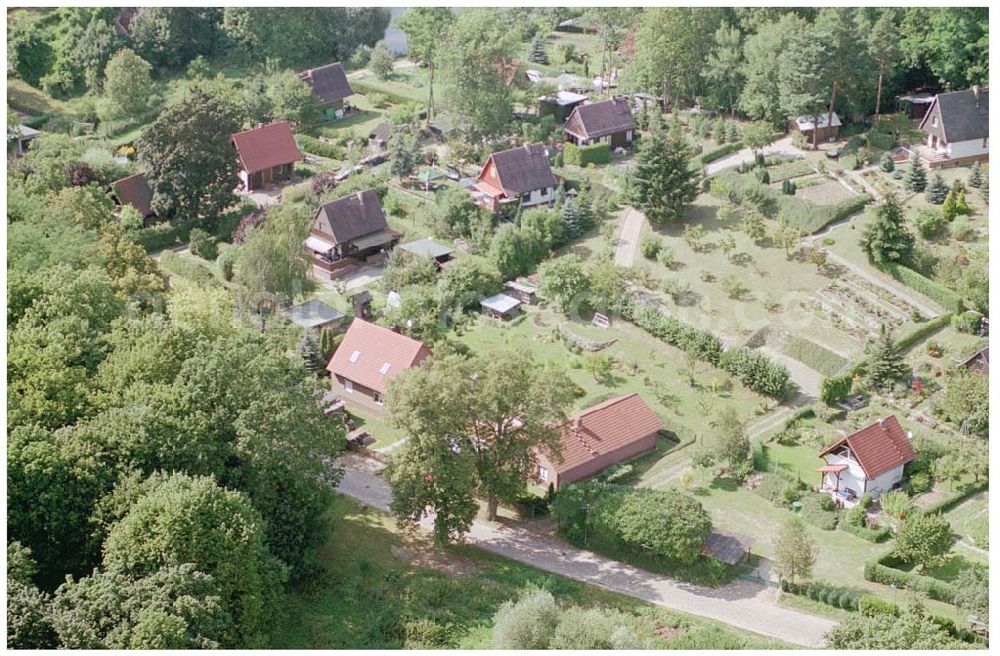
x: 261, y: 127
x: 604, y: 404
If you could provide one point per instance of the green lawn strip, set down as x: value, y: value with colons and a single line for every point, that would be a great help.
x: 398, y: 91
x: 364, y: 594
x: 970, y: 520
x: 378, y: 427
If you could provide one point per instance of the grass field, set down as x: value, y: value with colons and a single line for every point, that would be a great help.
x: 644, y: 365
x: 377, y: 589
x: 970, y: 520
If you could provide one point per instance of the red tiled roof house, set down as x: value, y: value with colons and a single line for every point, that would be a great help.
x: 347, y: 231
x: 870, y: 460
x: 267, y: 154
x: 330, y: 87
x: 596, y: 438
x: 367, y: 359
x: 520, y: 175
x: 609, y: 121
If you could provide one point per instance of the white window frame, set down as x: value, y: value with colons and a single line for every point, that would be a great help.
x: 543, y: 474
x: 377, y: 397
x: 349, y: 386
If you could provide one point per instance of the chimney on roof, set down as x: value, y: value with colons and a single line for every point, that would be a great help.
x: 361, y: 197
x: 576, y: 423
x: 975, y: 92
x: 881, y: 422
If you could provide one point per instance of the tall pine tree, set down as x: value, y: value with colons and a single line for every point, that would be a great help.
x: 887, y: 240
x: 308, y: 349
x: 662, y: 183
x: 884, y: 364
x: 571, y: 219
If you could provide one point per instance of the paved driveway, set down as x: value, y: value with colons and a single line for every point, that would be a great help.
x: 741, y: 604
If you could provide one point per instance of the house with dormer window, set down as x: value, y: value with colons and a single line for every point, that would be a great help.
x: 368, y: 358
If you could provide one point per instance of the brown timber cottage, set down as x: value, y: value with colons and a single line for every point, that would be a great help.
x: 267, y: 155
x: 520, y: 175
x: 330, y: 87
x: 348, y: 231
x: 609, y: 121
x: 135, y: 191
x: 595, y: 438
x: 367, y: 359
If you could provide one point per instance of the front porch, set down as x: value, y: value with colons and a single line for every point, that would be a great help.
x: 833, y: 484
x: 932, y: 156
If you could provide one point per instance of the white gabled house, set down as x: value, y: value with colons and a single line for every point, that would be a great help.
x: 870, y: 460
x: 957, y: 127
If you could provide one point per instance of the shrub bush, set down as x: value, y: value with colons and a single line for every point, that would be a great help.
x: 650, y: 246
x: 881, y: 140
x: 880, y: 534
x: 599, y: 153
x: 202, y: 244
x: 967, y: 322
x: 163, y: 235
x: 870, y: 606
x: 756, y: 371
x: 225, y: 261
x: 317, y: 147
x: 833, y: 389
x: 815, y: 512
x: 716, y: 153
x: 933, y: 290
x: 925, y: 329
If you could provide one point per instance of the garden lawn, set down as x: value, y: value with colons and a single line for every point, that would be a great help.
x: 970, y: 521
x: 384, y: 433
x: 644, y: 365
x: 368, y: 585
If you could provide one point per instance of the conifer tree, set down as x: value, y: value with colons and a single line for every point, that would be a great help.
x: 308, y: 349
x: 887, y: 240
x: 719, y: 132
x: 886, y: 163
x: 538, y: 53
x: 884, y: 362
x: 916, y: 179
x: 571, y: 219
x: 732, y: 134
x: 976, y: 176
x: 937, y: 191
x: 663, y: 183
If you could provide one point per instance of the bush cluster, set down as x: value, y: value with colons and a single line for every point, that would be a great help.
x: 705, y: 345
x: 870, y: 606
x: 756, y: 371
x: 599, y: 153
x: 318, y: 147
x: 163, y: 235
x: 189, y: 269
x: 835, y: 388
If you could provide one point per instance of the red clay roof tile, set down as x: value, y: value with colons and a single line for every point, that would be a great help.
x: 267, y: 146
x: 879, y: 447
x: 371, y: 355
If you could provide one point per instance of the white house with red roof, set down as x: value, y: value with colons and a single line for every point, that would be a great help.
x: 593, y: 439
x: 367, y: 359
x: 870, y: 460
x: 267, y: 154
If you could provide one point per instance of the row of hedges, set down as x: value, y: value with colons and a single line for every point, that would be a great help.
x: 923, y: 330
x: 877, y: 572
x: 831, y: 595
x: 813, y: 355
x: 809, y: 217
x: 716, y: 153
x: 752, y: 368
x: 949, y: 502
x: 599, y: 153
x: 318, y: 147
x: 933, y: 290
x: 872, y: 535
x: 187, y: 268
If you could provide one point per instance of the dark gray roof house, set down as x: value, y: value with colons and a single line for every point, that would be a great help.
x: 959, y: 115
x: 329, y: 83
x: 601, y: 119
x: 314, y: 314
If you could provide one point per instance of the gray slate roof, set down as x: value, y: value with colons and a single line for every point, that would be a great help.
x: 601, y: 118
x: 312, y: 313
x: 524, y: 169
x: 348, y: 218
x: 329, y: 83
x: 961, y: 119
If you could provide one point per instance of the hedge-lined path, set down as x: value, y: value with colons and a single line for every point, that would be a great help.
x: 743, y: 604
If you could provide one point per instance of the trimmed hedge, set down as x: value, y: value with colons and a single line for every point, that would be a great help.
x: 865, y: 533
x: 933, y: 290
x: 946, y: 504
x: 835, y: 388
x: 876, y: 572
x: 756, y: 371
x: 881, y: 140
x: 599, y: 153
x: 318, y: 147
x: 793, y: 169
x: 925, y: 329
x: 716, y: 153
x: 831, y: 595
x: 186, y: 268
x: 870, y: 606
x: 809, y: 217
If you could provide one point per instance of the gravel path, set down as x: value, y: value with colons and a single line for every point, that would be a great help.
x: 782, y: 147
x: 741, y: 604
x: 628, y: 238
